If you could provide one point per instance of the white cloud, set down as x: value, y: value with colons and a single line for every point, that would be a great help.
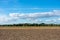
x: 4, y: 18
x: 51, y: 20
x: 36, y: 15
x: 30, y: 16
x: 14, y: 15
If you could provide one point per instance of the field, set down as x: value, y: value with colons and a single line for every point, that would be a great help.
x: 29, y: 33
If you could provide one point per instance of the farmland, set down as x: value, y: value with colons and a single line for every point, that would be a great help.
x: 29, y: 33
x: 30, y: 27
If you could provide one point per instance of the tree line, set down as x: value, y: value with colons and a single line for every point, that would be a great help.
x: 28, y: 24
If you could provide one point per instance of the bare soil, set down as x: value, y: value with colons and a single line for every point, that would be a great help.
x: 30, y: 34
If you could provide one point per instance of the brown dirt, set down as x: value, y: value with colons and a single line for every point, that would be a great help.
x: 42, y: 27
x: 29, y: 34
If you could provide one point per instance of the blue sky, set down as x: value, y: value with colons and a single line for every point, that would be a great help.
x: 29, y: 11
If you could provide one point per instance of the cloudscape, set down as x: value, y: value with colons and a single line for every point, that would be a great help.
x: 29, y: 11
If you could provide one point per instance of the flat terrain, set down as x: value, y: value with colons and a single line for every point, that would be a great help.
x: 30, y: 33
x: 31, y: 27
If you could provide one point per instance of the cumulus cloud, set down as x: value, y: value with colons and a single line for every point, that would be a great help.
x: 6, y: 18
x: 30, y: 16
x: 51, y: 20
x: 3, y: 18
x: 36, y: 15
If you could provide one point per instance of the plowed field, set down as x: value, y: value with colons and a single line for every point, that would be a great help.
x: 30, y: 34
